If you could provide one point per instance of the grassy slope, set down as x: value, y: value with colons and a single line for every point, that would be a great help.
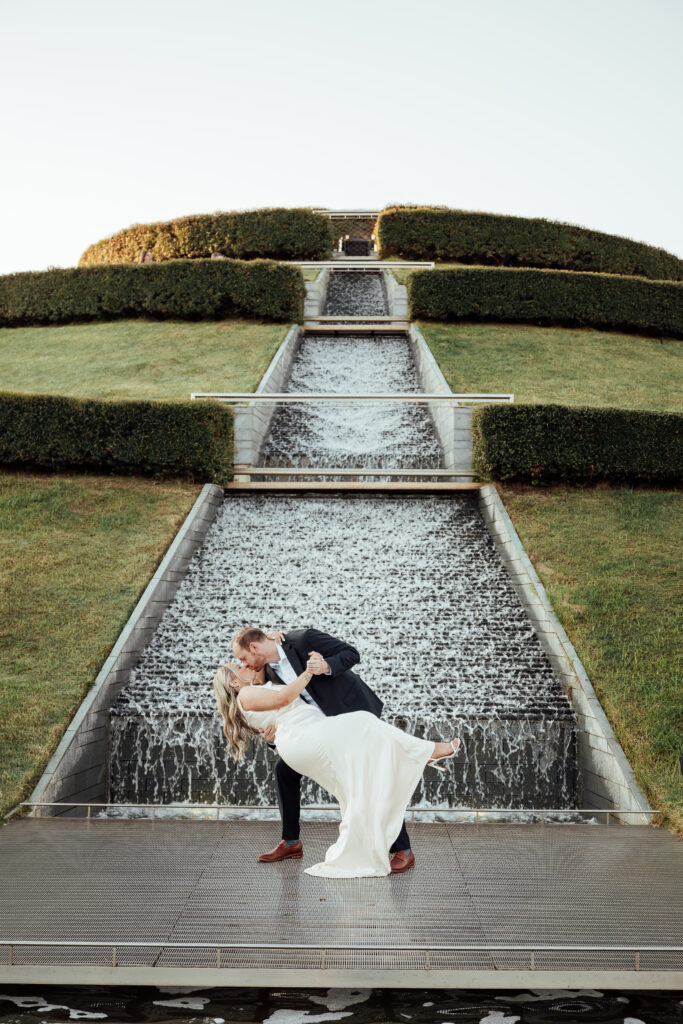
x: 76, y: 553
x: 137, y: 358
x: 610, y: 561
x: 570, y: 366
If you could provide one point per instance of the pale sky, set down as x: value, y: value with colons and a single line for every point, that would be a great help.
x: 125, y: 111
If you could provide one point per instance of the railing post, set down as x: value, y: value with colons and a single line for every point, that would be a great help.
x: 637, y: 959
x: 533, y: 960
x: 113, y: 956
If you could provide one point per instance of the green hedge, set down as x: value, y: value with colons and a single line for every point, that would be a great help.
x: 280, y: 234
x: 462, y: 237
x: 548, y: 297
x: 149, y: 438
x: 547, y: 443
x: 177, y: 290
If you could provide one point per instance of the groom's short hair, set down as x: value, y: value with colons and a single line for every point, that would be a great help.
x: 249, y: 635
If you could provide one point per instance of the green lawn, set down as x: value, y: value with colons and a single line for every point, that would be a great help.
x: 76, y: 553
x: 137, y: 358
x: 610, y: 561
x: 572, y: 366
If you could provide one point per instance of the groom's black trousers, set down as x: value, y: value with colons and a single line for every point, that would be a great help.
x: 289, y: 799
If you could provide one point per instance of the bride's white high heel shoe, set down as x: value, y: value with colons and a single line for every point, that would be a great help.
x: 432, y: 762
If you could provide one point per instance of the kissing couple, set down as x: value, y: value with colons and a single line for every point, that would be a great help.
x: 297, y: 690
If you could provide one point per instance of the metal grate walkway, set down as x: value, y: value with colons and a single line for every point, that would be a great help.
x: 476, y: 891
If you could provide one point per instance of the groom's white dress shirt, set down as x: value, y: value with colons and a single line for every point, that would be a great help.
x: 285, y: 670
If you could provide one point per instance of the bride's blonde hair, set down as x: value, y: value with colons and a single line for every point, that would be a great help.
x: 234, y: 723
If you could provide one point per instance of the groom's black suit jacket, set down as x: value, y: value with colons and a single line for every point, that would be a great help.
x: 344, y: 690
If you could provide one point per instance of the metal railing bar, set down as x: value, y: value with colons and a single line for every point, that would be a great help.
x: 334, y: 807
x: 488, y: 947
x: 363, y: 263
x: 340, y: 318
x: 361, y: 471
x: 326, y: 396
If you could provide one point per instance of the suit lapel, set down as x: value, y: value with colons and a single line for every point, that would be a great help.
x: 293, y: 657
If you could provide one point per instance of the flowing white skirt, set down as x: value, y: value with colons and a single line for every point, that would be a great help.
x: 371, y: 768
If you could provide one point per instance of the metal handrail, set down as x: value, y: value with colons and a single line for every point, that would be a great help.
x: 357, y: 262
x: 323, y: 950
x: 341, y: 318
x: 360, y: 471
x: 486, y: 947
x: 477, y: 811
x: 316, y: 396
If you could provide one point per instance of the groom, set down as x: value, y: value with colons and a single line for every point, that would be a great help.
x: 335, y: 689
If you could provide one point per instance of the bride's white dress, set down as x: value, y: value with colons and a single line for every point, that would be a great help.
x: 369, y: 766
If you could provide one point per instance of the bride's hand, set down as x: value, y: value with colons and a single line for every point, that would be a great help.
x: 277, y: 635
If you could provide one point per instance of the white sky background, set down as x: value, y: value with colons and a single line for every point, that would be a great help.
x: 124, y: 111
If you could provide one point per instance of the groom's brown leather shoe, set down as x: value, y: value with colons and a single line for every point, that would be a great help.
x: 282, y: 852
x: 401, y: 861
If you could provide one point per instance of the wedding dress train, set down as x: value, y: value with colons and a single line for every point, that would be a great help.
x: 369, y: 766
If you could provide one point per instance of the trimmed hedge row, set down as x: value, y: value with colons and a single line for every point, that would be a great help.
x: 548, y: 297
x: 149, y: 438
x: 547, y: 443
x: 178, y: 290
x: 297, y: 234
x: 487, y: 238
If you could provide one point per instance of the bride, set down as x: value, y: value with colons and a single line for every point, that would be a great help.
x: 369, y: 766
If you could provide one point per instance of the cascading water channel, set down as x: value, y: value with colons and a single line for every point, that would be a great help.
x: 353, y: 434
x: 414, y: 582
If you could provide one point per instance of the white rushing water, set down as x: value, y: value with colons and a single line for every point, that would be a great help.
x: 416, y: 584
x: 395, y: 435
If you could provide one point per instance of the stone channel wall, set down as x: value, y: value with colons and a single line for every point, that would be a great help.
x: 606, y: 779
x: 253, y: 419
x: 316, y: 293
x: 397, y: 295
x: 453, y: 425
x: 79, y: 768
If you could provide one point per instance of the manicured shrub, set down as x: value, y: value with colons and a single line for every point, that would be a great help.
x: 548, y: 443
x: 148, y: 438
x: 460, y: 236
x: 548, y: 297
x: 179, y: 289
x: 279, y: 234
